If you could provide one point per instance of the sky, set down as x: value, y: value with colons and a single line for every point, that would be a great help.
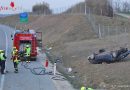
x: 26, y: 5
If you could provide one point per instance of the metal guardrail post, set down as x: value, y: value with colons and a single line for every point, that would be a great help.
x: 99, y: 31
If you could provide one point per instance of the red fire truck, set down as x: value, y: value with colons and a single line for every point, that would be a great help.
x: 23, y: 38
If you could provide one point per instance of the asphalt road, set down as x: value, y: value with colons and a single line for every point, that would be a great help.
x: 24, y: 80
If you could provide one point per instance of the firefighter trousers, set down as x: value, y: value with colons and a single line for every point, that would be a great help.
x: 27, y: 58
x: 2, y: 65
x: 15, y: 66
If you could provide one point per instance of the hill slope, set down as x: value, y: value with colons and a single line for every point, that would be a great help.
x: 73, y: 38
x: 14, y: 20
x: 65, y: 28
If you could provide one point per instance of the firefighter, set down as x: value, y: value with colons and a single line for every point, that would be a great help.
x: 16, y: 62
x: 27, y: 53
x: 2, y: 61
x: 83, y: 88
x: 89, y: 89
x: 15, y: 59
x: 14, y: 52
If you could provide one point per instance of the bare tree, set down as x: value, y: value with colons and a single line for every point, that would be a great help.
x: 42, y: 8
x: 126, y: 7
x: 117, y: 6
x: 102, y: 7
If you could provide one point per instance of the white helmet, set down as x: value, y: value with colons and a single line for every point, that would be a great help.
x: 27, y: 45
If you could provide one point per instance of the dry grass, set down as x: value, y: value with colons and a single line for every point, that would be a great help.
x: 65, y: 28
x: 75, y: 56
x: 72, y: 37
x: 112, y: 21
x: 14, y: 20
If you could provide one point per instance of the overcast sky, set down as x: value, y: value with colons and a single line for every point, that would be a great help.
x: 27, y: 4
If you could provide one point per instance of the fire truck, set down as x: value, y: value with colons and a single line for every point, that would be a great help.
x: 23, y: 38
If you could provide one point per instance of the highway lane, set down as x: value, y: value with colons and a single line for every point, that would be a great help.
x: 24, y: 80
x: 5, y: 44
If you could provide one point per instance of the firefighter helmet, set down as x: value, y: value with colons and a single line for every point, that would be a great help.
x: 16, y: 50
x: 0, y: 51
x: 14, y: 47
x: 27, y: 45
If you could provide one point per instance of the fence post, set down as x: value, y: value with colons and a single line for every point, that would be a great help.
x: 125, y: 30
x: 117, y: 33
x: 99, y: 31
x: 54, y: 69
x: 101, y: 12
x: 85, y: 8
x: 89, y: 13
x: 80, y: 9
x: 108, y: 30
x: 117, y: 30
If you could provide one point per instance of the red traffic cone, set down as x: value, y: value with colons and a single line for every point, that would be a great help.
x: 46, y: 63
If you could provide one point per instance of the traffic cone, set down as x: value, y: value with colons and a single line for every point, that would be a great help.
x: 46, y: 63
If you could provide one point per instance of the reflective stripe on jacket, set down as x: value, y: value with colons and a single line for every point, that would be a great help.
x: 83, y: 88
x: 16, y: 60
x: 14, y: 52
x: 2, y: 57
x: 28, y: 51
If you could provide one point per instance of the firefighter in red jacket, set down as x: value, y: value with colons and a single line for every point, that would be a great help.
x: 15, y: 59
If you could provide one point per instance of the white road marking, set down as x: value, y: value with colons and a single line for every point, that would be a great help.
x: 2, y: 82
x: 3, y: 76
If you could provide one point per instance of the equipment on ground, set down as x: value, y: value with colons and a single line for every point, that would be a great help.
x: 24, y: 38
x: 109, y: 56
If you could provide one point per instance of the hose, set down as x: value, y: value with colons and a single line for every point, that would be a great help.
x: 42, y: 70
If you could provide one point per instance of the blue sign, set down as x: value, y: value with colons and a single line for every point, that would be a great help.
x: 24, y: 15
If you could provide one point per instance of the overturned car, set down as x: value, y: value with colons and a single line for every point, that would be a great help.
x: 108, y: 56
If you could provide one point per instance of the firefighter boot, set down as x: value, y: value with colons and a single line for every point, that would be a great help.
x: 26, y: 61
x: 16, y: 70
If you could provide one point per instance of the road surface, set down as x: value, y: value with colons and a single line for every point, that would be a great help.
x: 24, y: 80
